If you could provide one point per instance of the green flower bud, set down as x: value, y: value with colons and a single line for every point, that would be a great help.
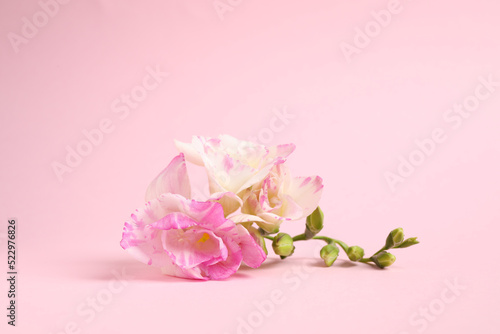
x: 329, y: 254
x: 268, y: 229
x: 395, y: 238
x: 283, y: 245
x: 409, y: 242
x: 355, y: 253
x: 314, y: 223
x: 383, y: 259
x: 258, y: 237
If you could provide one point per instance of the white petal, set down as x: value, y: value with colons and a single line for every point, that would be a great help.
x: 192, y: 155
x: 173, y: 179
x: 229, y: 201
x: 270, y: 225
x: 305, y: 192
x: 282, y: 151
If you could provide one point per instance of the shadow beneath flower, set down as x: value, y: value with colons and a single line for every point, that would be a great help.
x: 271, y: 263
x: 128, y: 269
x: 268, y: 264
x: 341, y: 263
x: 344, y: 263
x: 122, y: 269
x: 238, y: 275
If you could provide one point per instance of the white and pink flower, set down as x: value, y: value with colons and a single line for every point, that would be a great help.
x: 249, y: 183
x: 280, y: 197
x: 233, y: 165
x: 187, y: 238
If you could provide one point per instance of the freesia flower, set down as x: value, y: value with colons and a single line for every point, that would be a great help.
x: 184, y: 237
x: 280, y: 197
x: 249, y: 184
x: 232, y: 164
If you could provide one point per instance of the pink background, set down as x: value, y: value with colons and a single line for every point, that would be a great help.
x: 350, y: 118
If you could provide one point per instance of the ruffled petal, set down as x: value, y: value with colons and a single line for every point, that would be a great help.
x: 193, y: 247
x: 142, y: 232
x: 253, y: 254
x: 144, y: 244
x: 138, y: 228
x: 208, y: 214
x: 174, y: 220
x: 224, y: 269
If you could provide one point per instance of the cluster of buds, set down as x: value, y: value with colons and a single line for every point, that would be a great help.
x: 283, y: 244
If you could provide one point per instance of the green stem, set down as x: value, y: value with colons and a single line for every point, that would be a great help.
x: 299, y: 237
x: 268, y: 237
x: 380, y: 251
x: 326, y: 239
x: 342, y: 244
x: 331, y: 241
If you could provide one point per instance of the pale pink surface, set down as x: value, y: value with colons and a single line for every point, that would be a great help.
x: 350, y: 120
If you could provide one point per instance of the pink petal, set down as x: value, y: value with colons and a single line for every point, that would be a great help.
x: 142, y: 233
x: 253, y: 254
x: 172, y: 269
x: 208, y: 214
x: 173, y: 179
x: 193, y: 247
x: 174, y: 220
x: 144, y: 244
x: 224, y: 269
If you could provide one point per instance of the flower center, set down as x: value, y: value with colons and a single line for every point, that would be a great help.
x: 204, y: 237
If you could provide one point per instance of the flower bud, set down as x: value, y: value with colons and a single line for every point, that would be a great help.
x: 314, y: 223
x: 329, y: 254
x: 383, y: 259
x: 283, y: 245
x: 409, y: 242
x: 258, y: 237
x: 395, y: 238
x: 355, y: 253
